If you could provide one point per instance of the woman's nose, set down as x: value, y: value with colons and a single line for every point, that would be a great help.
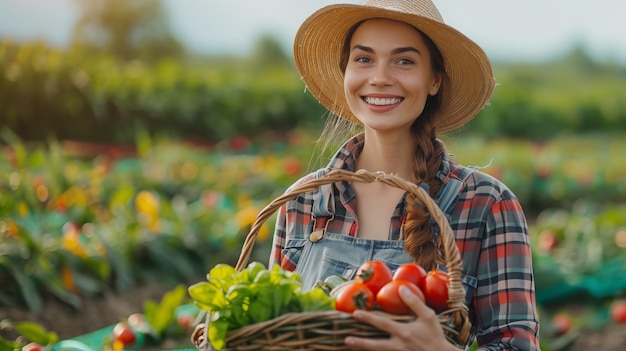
x: 380, y: 76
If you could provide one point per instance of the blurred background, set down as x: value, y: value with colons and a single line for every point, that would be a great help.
x: 140, y: 139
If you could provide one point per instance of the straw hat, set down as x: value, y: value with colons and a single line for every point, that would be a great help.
x: 319, y: 41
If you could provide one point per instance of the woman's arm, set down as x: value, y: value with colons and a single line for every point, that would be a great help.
x: 504, y: 301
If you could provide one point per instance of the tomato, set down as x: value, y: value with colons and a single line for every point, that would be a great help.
x: 411, y: 272
x: 354, y: 295
x: 562, y: 323
x: 124, y: 334
x: 138, y: 322
x: 185, y: 320
x: 389, y: 300
x: 618, y: 311
x: 436, y: 290
x: 548, y: 240
x: 33, y: 346
x: 374, y: 274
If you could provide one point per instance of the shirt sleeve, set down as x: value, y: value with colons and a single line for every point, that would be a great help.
x: 278, y: 242
x: 505, y: 295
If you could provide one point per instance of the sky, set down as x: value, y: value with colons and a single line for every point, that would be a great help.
x: 530, y: 30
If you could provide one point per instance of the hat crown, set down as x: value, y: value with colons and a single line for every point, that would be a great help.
x: 424, y: 8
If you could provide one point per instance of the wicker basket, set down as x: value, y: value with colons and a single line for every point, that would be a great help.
x: 326, y: 330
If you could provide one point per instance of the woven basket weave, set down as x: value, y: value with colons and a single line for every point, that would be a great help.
x: 326, y: 330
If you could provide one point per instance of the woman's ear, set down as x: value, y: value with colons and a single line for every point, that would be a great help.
x: 436, y: 85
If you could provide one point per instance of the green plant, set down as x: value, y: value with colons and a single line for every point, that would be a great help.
x: 256, y: 294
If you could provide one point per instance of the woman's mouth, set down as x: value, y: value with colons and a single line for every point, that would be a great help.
x: 377, y: 101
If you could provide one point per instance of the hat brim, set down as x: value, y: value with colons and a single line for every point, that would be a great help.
x: 317, y: 53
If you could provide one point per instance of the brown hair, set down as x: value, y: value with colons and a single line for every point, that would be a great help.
x: 421, y: 244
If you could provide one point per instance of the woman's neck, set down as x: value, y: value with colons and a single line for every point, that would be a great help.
x: 392, y: 154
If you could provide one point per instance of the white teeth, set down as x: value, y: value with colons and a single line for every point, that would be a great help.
x: 382, y: 101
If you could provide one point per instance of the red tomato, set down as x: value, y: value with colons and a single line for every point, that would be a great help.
x: 124, y: 334
x: 436, y: 290
x: 411, y: 272
x: 33, y: 346
x: 548, y: 240
x: 185, y: 320
x: 618, y: 311
x: 374, y: 274
x: 562, y: 323
x: 354, y: 295
x: 389, y: 300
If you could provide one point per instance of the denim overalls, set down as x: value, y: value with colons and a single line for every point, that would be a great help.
x: 325, y: 253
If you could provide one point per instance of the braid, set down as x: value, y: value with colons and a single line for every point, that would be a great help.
x: 419, y: 242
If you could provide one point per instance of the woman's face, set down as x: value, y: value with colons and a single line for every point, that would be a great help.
x: 389, y: 75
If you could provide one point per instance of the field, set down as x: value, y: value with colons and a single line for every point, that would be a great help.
x: 91, y: 233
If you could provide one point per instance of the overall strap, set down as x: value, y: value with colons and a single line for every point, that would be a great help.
x: 450, y: 191
x: 323, y: 210
x: 323, y: 203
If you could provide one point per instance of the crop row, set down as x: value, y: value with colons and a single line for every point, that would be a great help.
x: 78, y: 95
x: 76, y: 226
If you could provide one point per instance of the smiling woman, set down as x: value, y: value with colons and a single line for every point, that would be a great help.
x: 397, y: 72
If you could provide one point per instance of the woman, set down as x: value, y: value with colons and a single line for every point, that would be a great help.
x: 396, y: 70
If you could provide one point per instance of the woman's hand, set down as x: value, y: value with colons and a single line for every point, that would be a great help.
x: 425, y: 333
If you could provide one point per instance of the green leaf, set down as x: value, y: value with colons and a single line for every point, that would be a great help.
x: 262, y: 306
x: 315, y: 300
x: 252, y: 270
x: 55, y: 286
x: 29, y: 290
x: 223, y: 276
x: 149, y: 309
x: 6, y: 345
x: 35, y: 333
x: 218, y: 330
x: 207, y: 296
x: 121, y: 268
x: 163, y: 314
x: 282, y: 298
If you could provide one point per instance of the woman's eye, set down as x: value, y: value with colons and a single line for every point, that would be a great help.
x: 362, y: 59
x: 405, y: 61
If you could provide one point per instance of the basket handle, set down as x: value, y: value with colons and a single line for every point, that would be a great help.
x: 450, y: 250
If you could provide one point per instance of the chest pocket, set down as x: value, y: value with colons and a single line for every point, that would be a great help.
x: 469, y: 283
x: 334, y: 266
x: 345, y: 261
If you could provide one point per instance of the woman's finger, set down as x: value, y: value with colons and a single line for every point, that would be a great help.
x: 414, y: 302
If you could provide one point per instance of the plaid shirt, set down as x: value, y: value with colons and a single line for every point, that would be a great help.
x: 491, y: 234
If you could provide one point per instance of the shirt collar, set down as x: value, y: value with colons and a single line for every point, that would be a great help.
x: 347, y: 155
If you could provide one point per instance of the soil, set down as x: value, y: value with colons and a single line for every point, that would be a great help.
x: 95, y: 313
x: 98, y: 313
x: 610, y: 338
